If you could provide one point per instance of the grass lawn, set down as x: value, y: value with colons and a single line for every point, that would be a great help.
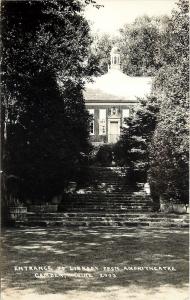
x: 96, y: 250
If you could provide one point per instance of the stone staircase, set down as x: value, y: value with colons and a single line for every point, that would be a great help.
x: 108, y: 192
x: 98, y: 219
x: 107, y: 200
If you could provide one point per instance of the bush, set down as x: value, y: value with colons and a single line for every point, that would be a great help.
x: 105, y: 155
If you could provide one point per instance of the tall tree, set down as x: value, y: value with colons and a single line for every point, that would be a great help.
x: 101, y: 48
x: 157, y: 136
x: 139, y: 45
x: 169, y: 154
x: 45, y: 53
x: 133, y: 148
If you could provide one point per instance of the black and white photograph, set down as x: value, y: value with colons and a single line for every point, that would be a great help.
x: 94, y: 149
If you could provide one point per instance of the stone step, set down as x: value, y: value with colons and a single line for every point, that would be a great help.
x: 106, y: 197
x: 127, y: 215
x: 102, y: 184
x: 105, y: 202
x: 97, y: 209
x: 110, y: 207
x: 113, y: 218
x: 99, y: 219
x: 107, y: 205
x: 101, y: 223
x: 110, y: 182
x: 110, y: 194
x: 110, y: 191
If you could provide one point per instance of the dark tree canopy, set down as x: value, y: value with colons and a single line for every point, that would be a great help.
x: 101, y: 49
x: 133, y: 148
x: 45, y: 60
x: 139, y: 44
x: 170, y: 149
x: 157, y: 136
x: 43, y: 36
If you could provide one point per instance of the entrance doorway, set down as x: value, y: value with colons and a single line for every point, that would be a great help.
x: 114, y: 131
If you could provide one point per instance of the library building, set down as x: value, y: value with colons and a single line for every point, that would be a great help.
x: 110, y: 98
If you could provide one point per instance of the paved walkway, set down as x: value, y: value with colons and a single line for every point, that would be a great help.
x: 98, y: 264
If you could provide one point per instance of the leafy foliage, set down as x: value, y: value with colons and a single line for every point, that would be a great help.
x: 169, y: 153
x: 40, y: 36
x: 139, y: 45
x: 101, y: 48
x: 45, y: 52
x: 157, y: 133
x: 132, y: 149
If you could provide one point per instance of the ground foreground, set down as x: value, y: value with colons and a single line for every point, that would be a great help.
x: 95, y: 263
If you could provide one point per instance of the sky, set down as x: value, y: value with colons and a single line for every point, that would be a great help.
x: 116, y: 13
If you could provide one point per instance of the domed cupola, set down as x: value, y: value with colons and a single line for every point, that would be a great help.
x: 115, y: 58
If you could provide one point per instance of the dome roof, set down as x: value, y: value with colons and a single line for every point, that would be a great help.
x: 117, y: 85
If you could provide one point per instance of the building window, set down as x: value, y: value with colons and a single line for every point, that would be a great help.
x: 125, y: 115
x: 91, y: 112
x: 102, y: 122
